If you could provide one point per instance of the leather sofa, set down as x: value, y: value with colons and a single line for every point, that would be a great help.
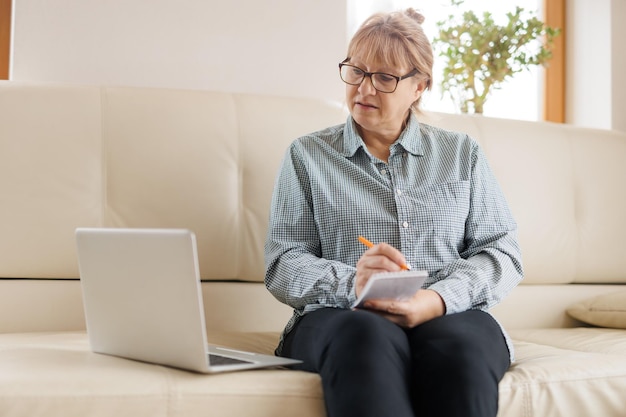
x: 97, y: 156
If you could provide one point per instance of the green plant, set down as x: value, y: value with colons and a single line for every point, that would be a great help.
x: 479, y: 54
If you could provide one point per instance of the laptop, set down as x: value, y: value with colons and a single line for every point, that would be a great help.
x: 143, y: 301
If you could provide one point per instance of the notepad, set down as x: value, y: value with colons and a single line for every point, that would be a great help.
x: 392, y: 286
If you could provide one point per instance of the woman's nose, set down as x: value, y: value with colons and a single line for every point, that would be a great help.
x: 366, y: 86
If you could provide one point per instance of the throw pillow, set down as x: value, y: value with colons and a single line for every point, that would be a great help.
x: 607, y: 310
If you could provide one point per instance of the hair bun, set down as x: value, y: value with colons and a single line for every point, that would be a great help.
x: 415, y: 15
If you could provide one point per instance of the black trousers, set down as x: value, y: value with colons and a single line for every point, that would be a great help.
x: 449, y: 366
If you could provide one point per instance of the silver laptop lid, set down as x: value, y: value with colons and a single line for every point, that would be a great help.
x: 137, y: 286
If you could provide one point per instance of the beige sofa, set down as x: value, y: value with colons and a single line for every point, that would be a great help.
x: 75, y: 156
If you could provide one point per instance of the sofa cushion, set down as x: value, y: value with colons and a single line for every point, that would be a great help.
x: 607, y: 310
x: 56, y: 374
x: 566, y: 372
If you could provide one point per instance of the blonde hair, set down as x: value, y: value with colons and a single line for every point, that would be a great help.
x: 396, y: 39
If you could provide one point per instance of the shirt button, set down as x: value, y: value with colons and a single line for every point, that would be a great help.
x: 405, y: 224
x: 383, y: 171
x: 399, y: 192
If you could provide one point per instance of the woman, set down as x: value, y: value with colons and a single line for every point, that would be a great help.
x: 431, y: 197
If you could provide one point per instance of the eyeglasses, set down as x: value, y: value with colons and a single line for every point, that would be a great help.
x: 383, y: 82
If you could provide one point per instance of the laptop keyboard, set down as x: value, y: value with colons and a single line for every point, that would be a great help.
x: 223, y: 360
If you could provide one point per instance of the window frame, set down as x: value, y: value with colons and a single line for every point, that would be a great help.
x: 554, y: 76
x: 5, y: 38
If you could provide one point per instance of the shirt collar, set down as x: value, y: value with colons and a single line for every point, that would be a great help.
x: 410, y: 138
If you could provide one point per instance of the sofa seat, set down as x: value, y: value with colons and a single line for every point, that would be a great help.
x: 547, y: 378
x: 55, y: 374
x: 66, y: 379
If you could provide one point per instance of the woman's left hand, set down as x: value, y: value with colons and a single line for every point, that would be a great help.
x: 425, y: 305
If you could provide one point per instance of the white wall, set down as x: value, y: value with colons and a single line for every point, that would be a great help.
x: 281, y: 47
x: 618, y: 65
x: 586, y: 82
x: 595, y: 62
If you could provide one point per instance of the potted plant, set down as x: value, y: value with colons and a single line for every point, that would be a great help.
x: 479, y: 54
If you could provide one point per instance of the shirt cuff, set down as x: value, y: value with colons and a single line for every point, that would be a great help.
x: 455, y: 297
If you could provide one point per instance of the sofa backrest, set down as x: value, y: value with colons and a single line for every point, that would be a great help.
x: 89, y: 156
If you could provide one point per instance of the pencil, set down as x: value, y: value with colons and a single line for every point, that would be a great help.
x: 369, y: 244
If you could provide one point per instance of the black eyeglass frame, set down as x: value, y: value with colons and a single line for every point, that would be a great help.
x: 344, y: 63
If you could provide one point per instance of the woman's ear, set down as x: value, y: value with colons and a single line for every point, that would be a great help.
x: 422, y: 85
x: 420, y: 88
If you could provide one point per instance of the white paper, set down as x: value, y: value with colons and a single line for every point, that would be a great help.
x: 392, y: 286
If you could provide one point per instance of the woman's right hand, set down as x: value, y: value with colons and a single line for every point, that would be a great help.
x: 381, y: 257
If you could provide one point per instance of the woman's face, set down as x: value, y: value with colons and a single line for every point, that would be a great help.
x: 381, y: 113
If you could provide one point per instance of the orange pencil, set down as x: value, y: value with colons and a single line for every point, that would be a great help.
x: 369, y: 244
